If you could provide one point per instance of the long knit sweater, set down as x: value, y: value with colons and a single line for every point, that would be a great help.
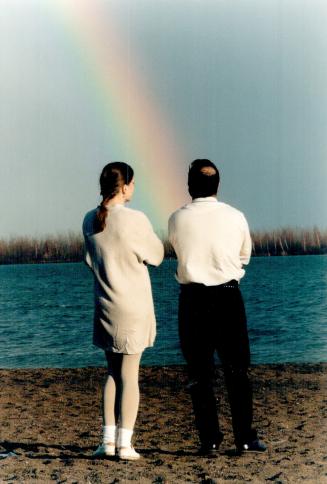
x: 124, y: 318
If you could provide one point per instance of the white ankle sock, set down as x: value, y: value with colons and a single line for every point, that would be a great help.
x: 109, y: 434
x: 124, y: 437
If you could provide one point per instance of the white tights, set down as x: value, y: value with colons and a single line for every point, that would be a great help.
x: 121, y: 394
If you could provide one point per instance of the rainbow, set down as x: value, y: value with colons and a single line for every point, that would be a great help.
x: 121, y: 93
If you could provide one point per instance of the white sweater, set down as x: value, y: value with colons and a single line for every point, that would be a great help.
x: 211, y: 240
x: 124, y: 319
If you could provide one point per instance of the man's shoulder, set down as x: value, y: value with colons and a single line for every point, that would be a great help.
x: 180, y: 211
x: 219, y: 209
x: 230, y: 210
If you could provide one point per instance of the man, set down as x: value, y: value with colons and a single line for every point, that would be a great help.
x: 212, y: 243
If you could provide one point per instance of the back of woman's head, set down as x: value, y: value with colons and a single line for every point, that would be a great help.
x: 113, y: 177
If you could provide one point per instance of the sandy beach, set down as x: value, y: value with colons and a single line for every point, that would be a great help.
x: 51, y: 420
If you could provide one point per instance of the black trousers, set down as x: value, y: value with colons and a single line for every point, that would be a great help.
x: 212, y: 318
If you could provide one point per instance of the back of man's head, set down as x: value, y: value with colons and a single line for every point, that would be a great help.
x: 203, y: 179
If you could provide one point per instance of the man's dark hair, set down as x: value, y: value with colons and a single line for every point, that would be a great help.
x: 203, y: 179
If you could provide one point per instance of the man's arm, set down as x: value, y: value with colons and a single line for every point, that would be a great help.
x: 246, y: 249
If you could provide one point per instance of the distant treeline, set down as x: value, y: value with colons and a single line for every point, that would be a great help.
x: 30, y: 250
x: 289, y: 241
x: 70, y: 247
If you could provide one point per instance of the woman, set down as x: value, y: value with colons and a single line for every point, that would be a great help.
x: 119, y: 243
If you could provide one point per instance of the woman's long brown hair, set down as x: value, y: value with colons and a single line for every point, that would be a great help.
x: 114, y: 175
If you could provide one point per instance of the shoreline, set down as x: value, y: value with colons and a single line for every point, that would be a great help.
x: 167, y: 257
x: 296, y: 366
x: 51, y: 418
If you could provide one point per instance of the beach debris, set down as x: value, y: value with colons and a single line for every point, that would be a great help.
x: 5, y: 455
x: 274, y: 477
x: 205, y: 479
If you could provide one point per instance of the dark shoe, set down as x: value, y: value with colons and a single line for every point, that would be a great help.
x: 209, y: 449
x: 252, y: 446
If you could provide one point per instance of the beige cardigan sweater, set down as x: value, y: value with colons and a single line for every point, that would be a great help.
x: 124, y: 319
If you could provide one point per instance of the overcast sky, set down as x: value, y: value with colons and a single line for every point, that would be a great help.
x: 241, y: 82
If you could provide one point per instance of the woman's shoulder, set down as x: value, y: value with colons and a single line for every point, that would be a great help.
x: 88, y: 220
x: 133, y: 214
x: 90, y: 213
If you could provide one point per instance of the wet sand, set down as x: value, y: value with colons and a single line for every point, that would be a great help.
x: 51, y: 418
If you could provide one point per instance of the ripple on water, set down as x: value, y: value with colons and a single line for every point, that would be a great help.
x: 46, y: 313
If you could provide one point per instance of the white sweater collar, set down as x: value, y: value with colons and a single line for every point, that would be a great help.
x: 204, y: 199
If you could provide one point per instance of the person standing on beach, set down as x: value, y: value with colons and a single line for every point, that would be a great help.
x: 212, y: 243
x: 119, y: 243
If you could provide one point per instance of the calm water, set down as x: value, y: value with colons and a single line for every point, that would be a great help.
x: 46, y: 313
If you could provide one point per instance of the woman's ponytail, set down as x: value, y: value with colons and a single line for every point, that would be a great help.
x: 114, y: 175
x: 100, y: 218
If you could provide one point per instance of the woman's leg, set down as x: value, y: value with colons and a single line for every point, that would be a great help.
x: 130, y: 397
x: 130, y: 394
x: 110, y: 405
x: 112, y: 389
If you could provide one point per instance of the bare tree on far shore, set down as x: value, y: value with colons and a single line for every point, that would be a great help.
x: 289, y: 241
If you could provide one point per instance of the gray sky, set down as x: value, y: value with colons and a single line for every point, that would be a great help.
x: 241, y: 82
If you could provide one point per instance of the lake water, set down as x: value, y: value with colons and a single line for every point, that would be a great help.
x: 46, y: 313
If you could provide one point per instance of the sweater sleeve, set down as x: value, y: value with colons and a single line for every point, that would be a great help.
x: 87, y: 258
x: 86, y: 230
x: 171, y: 238
x: 246, y: 249
x: 147, y: 245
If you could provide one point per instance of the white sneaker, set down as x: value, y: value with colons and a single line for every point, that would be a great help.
x: 128, y: 453
x: 105, y: 450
